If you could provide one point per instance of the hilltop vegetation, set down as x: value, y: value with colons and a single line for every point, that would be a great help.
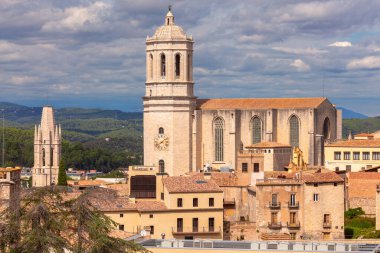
x: 367, y: 125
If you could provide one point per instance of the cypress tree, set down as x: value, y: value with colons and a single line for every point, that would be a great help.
x: 62, y: 178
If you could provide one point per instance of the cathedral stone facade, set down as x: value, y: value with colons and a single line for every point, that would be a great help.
x: 183, y: 133
x: 47, y: 150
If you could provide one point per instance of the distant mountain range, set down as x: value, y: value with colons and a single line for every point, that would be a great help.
x: 31, y: 115
x: 348, y: 114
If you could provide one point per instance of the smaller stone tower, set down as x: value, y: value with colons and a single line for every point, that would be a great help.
x: 47, y: 150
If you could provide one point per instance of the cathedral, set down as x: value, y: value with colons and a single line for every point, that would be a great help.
x: 183, y: 133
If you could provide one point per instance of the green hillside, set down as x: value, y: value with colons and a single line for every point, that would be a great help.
x: 367, y: 125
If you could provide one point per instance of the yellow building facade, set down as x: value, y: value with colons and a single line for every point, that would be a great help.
x: 353, y: 155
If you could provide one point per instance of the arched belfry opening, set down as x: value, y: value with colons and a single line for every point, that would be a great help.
x: 177, y: 65
x: 163, y: 65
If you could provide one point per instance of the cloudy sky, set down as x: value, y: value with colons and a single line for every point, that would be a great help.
x: 91, y: 53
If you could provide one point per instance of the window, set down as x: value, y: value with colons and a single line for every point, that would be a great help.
x: 177, y: 65
x: 179, y: 224
x: 326, y: 218
x: 326, y: 236
x: 161, y: 165
x: 356, y: 155
x: 375, y: 155
x: 316, y: 197
x: 150, y: 66
x: 211, y: 202
x: 244, y: 167
x: 121, y: 227
x: 348, y: 168
x: 337, y: 155
x: 315, y: 185
x: 326, y: 129
x: 347, y: 155
x: 294, y: 131
x: 121, y: 215
x: 163, y: 66
x: 189, y: 67
x: 195, y: 202
x: 218, y: 139
x: 179, y: 202
x: 152, y: 230
x: 365, y: 155
x: 51, y: 157
x: 293, y: 218
x: 211, y: 224
x: 293, y: 236
x: 43, y: 157
x: 151, y: 216
x: 256, y: 167
x: 161, y: 130
x: 292, y: 199
x: 274, y: 199
x: 195, y: 224
x: 273, y: 218
x: 162, y: 196
x: 256, y: 130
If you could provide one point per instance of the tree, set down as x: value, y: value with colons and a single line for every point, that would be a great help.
x: 62, y: 178
x: 52, y: 219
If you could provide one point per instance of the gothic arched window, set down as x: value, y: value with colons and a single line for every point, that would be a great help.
x: 163, y: 65
x: 177, y: 65
x: 43, y: 157
x: 326, y: 129
x: 161, y: 130
x: 51, y: 157
x: 294, y: 131
x: 161, y: 166
x: 150, y: 66
x: 218, y: 139
x: 256, y: 126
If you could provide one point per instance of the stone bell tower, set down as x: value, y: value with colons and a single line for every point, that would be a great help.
x: 169, y: 100
x: 47, y: 150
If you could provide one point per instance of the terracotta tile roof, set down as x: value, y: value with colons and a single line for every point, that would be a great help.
x: 121, y: 189
x: 7, y: 169
x: 326, y: 177
x: 85, y: 182
x: 112, y: 204
x: 364, y: 175
x: 258, y: 103
x: 363, y: 135
x: 231, y: 179
x: 356, y: 143
x: 120, y: 234
x: 268, y: 145
x: 187, y: 184
x: 150, y: 206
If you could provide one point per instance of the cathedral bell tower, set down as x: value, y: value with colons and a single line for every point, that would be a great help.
x: 169, y: 100
x: 47, y: 150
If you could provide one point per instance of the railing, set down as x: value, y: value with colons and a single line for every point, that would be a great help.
x: 274, y: 225
x: 327, y: 224
x: 296, y: 225
x: 293, y: 205
x: 196, y: 230
x: 268, y: 246
x: 275, y: 205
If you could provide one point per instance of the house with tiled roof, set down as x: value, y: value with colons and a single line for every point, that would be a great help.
x: 300, y: 205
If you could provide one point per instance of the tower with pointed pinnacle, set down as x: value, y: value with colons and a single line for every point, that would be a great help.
x: 47, y: 150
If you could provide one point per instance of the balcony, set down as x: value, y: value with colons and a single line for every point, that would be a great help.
x: 274, y: 225
x: 327, y: 225
x: 274, y: 205
x: 293, y: 205
x: 296, y: 225
x: 195, y: 230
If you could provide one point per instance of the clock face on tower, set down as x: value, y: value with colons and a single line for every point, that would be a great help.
x: 161, y: 142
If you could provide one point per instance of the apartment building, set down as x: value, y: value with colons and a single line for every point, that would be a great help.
x: 302, y: 205
x: 359, y: 154
x: 190, y: 207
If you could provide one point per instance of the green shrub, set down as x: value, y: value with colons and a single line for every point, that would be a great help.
x: 348, y: 233
x: 353, y: 212
x: 361, y: 223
